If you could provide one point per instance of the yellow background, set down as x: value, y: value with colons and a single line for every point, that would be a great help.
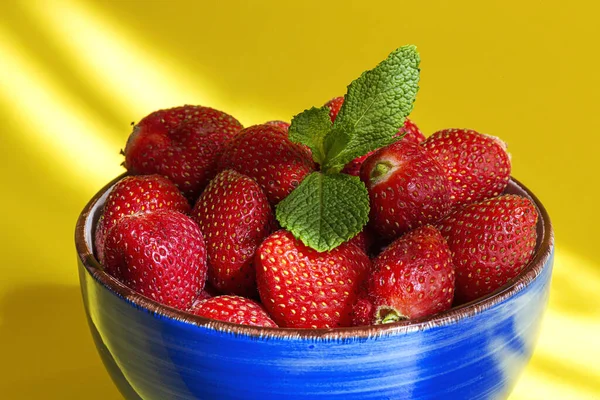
x: 74, y: 74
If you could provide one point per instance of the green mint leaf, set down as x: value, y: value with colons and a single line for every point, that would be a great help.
x: 374, y: 108
x: 310, y: 128
x: 325, y: 210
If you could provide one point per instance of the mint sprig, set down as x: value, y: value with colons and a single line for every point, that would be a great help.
x: 328, y: 207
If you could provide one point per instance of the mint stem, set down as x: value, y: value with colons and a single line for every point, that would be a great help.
x: 329, y: 207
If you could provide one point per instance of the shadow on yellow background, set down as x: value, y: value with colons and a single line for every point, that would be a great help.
x: 74, y: 74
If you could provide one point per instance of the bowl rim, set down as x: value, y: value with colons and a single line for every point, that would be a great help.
x: 528, y: 275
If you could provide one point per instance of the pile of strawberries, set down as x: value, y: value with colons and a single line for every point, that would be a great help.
x: 193, y: 225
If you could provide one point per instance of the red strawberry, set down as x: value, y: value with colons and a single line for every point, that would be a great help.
x: 284, y: 126
x: 302, y: 288
x: 204, y: 294
x: 234, y: 309
x: 135, y: 194
x: 412, y: 278
x: 280, y: 124
x: 362, y: 311
x: 379, y: 244
x: 361, y: 241
x: 410, y: 130
x: 159, y: 254
x: 491, y: 242
x: 264, y: 154
x: 181, y: 143
x: 407, y: 188
x: 334, y: 106
x: 477, y: 165
x: 364, y: 240
x: 234, y: 216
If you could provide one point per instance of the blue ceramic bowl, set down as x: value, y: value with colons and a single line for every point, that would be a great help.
x: 475, y: 351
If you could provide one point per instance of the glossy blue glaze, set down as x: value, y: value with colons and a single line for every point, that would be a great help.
x: 476, y: 354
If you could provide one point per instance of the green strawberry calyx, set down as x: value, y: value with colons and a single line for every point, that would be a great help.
x: 329, y: 207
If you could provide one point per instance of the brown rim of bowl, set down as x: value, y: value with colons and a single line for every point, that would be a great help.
x: 530, y: 272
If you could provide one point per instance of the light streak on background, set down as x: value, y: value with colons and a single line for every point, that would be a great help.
x: 56, y: 122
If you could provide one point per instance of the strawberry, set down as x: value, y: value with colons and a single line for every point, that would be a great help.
x: 362, y: 312
x: 477, y: 165
x: 263, y: 153
x: 361, y: 241
x: 412, y: 278
x: 364, y: 240
x: 204, y: 294
x: 280, y: 124
x: 302, y: 288
x: 160, y: 254
x: 284, y: 126
x: 135, y: 194
x: 407, y: 189
x: 410, y: 131
x: 491, y: 242
x: 181, y: 143
x: 334, y: 106
x: 234, y: 216
x: 379, y: 244
x: 234, y: 309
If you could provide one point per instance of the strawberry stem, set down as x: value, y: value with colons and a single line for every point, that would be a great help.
x: 380, y: 169
x: 388, y: 315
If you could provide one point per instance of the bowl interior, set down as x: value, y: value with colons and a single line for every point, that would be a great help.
x: 545, y: 242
